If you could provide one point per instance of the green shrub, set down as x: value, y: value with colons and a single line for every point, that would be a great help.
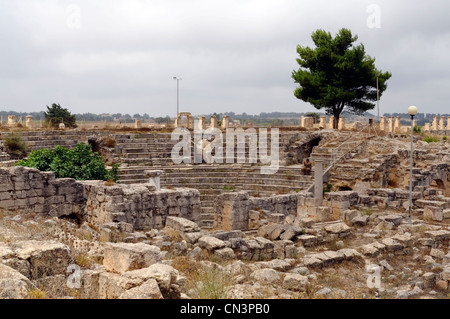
x: 79, y: 163
x: 15, y: 145
x: 430, y: 139
x: 444, y: 138
x: 417, y: 129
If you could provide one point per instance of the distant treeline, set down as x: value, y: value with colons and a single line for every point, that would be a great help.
x: 272, y: 118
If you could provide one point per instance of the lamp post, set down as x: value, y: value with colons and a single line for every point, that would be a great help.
x: 412, y: 110
x: 378, y: 96
x: 178, y: 94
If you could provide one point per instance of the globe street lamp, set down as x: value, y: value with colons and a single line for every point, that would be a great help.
x: 412, y: 110
x: 178, y: 94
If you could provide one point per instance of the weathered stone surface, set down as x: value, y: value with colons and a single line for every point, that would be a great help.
x: 369, y: 250
x: 282, y: 265
x: 445, y: 274
x: 266, y: 276
x: 13, y: 285
x: 392, y: 245
x: 182, y: 224
x: 360, y: 221
x: 211, y: 243
x: 308, y: 240
x: 429, y: 280
x: 165, y: 275
x: 225, y: 253
x: 191, y: 238
x: 394, y: 219
x: 46, y: 258
x: 349, y: 253
x: 312, y: 261
x: 122, y: 257
x: 148, y: 290
x: 433, y: 213
x: 271, y: 231
x: 290, y: 232
x: 350, y: 214
x: 438, y: 235
x: 340, y: 229
x: 295, y: 282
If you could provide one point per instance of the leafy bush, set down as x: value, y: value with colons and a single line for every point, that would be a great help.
x: 15, y: 145
x: 417, y: 129
x: 430, y: 139
x: 444, y: 138
x: 79, y: 163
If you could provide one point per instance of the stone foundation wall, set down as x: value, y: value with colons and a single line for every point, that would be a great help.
x: 30, y: 190
x: 139, y: 204
x: 236, y: 211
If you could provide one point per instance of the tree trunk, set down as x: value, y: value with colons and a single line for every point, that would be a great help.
x: 336, y: 122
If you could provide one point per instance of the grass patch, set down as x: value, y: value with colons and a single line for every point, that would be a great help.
x: 37, y: 294
x: 15, y: 145
x: 430, y: 139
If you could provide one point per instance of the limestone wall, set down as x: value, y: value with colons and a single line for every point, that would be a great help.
x: 30, y: 190
x: 232, y: 211
x: 139, y: 204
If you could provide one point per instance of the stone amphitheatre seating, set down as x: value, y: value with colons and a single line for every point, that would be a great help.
x: 50, y: 139
x: 141, y: 152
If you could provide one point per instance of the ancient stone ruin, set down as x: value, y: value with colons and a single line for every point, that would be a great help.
x: 343, y: 231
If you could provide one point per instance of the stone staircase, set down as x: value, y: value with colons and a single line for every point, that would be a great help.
x: 333, y: 149
x: 50, y: 139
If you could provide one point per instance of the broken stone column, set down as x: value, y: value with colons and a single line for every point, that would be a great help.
x: 426, y: 127
x: 341, y: 125
x: 231, y: 211
x: 318, y: 181
x: 391, y: 124
x: 201, y: 124
x: 154, y: 178
x: 323, y: 122
x: 302, y: 121
x: 382, y: 123
x: 138, y: 124
x: 441, y: 123
x: 448, y: 123
x: 434, y: 126
x: 309, y: 122
x: 330, y: 122
x: 225, y: 121
x: 29, y: 121
x: 11, y: 120
x: 397, y: 124
x: 62, y: 126
x: 213, y: 122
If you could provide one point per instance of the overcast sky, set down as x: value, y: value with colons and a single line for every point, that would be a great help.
x: 120, y: 56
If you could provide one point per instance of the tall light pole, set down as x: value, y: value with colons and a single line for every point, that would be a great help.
x: 378, y: 97
x: 412, y: 110
x: 178, y: 94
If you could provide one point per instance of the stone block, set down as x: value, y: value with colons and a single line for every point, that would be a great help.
x: 46, y: 258
x: 211, y: 243
x: 320, y: 214
x: 295, y: 282
x: 433, y: 213
x: 182, y: 224
x: 349, y: 215
x: 122, y: 257
x: 148, y: 290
